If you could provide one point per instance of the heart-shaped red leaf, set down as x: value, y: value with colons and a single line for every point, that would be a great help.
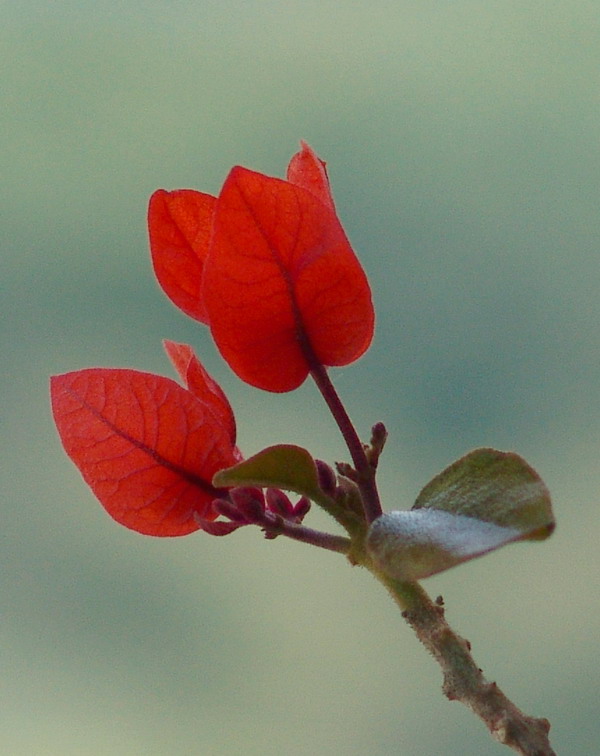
x: 306, y: 169
x: 147, y: 447
x: 281, y: 281
x: 179, y: 225
x: 200, y: 383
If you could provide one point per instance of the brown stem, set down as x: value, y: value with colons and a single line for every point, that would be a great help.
x: 463, y: 680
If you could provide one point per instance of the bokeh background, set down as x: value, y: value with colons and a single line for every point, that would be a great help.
x: 463, y: 147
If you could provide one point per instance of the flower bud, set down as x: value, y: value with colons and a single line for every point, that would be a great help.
x: 249, y: 501
x: 327, y: 477
x: 228, y: 509
x: 301, y: 509
x: 279, y: 503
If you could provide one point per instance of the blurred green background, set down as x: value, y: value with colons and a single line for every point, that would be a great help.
x: 463, y: 147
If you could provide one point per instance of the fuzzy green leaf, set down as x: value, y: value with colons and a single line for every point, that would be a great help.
x: 481, y: 502
x: 496, y: 487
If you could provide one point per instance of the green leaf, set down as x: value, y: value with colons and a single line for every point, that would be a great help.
x: 283, y: 466
x: 481, y: 502
x: 493, y: 486
x: 293, y: 469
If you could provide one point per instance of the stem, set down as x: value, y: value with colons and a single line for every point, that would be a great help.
x: 275, y: 525
x: 463, y: 679
x: 366, y: 473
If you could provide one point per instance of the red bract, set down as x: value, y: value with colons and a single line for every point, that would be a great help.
x: 307, y: 170
x: 200, y: 383
x: 179, y: 225
x: 278, y: 282
x: 147, y: 447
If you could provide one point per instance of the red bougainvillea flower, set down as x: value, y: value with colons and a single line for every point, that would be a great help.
x: 268, y: 267
x: 146, y: 446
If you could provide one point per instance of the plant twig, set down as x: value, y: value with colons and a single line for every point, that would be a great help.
x: 365, y: 478
x: 463, y: 680
x: 275, y: 525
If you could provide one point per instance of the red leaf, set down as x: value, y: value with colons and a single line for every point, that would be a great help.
x: 307, y: 170
x: 147, y: 447
x: 281, y: 279
x: 179, y: 226
x: 201, y: 384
